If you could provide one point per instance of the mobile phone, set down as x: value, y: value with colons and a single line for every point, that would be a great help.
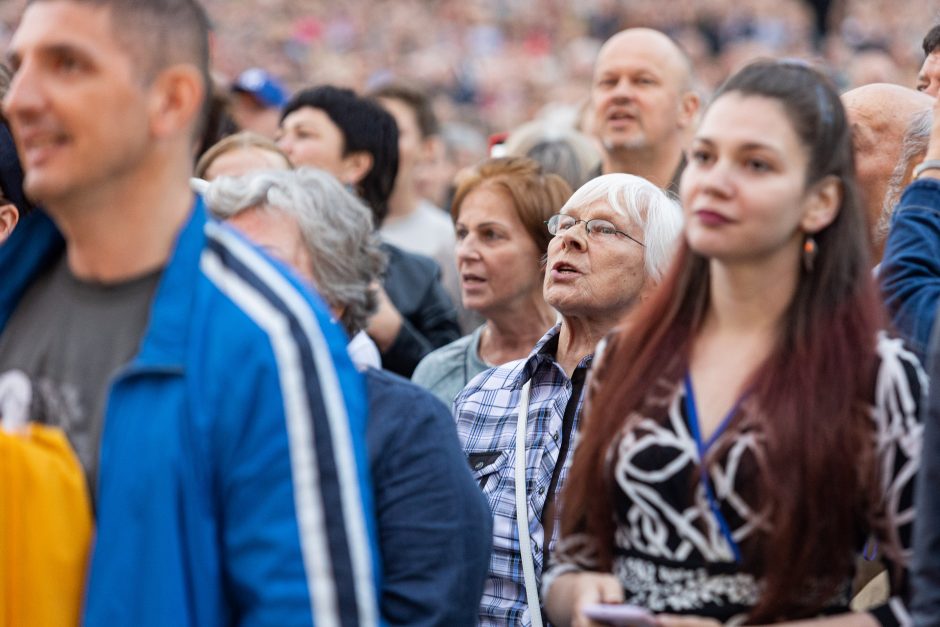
x: 620, y: 614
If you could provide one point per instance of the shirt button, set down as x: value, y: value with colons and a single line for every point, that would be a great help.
x: 478, y: 465
x: 541, y: 491
x: 555, y: 436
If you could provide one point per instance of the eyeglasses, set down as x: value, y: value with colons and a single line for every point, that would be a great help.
x: 599, y: 230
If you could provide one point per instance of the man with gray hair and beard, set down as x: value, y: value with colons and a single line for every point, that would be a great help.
x: 643, y: 103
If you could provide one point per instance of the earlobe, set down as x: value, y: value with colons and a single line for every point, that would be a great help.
x: 9, y: 216
x: 356, y: 166
x: 177, y: 97
x: 823, y: 204
x: 688, y: 108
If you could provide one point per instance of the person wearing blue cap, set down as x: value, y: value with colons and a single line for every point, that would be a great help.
x: 256, y: 101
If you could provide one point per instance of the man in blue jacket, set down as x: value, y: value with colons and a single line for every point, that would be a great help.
x: 207, y: 395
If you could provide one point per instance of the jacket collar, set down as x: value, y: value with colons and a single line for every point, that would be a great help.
x: 165, y: 340
x: 543, y: 355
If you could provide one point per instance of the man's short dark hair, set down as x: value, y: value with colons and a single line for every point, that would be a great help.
x: 932, y: 40
x: 160, y: 33
x: 416, y: 100
x: 366, y: 127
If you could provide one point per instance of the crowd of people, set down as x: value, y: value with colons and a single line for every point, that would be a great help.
x: 495, y: 64
x: 295, y: 349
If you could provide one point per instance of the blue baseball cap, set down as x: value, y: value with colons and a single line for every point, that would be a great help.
x: 263, y: 86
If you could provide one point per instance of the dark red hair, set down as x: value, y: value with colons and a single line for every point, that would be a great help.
x: 809, y: 394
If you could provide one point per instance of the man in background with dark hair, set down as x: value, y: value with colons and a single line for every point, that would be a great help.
x: 413, y: 223
x: 206, y: 393
x: 356, y: 141
x: 928, y: 79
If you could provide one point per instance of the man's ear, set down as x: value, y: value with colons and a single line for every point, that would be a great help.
x: 9, y: 216
x: 822, y: 203
x: 176, y: 99
x: 355, y: 167
x: 689, y: 104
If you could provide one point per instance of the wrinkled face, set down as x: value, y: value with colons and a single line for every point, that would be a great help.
x: 636, y: 94
x: 743, y: 191
x: 310, y: 138
x: 928, y: 79
x: 77, y: 107
x: 597, y: 276
x: 499, y: 263
x: 243, y: 160
x: 278, y: 234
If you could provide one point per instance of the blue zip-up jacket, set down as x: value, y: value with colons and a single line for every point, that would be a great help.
x: 233, y: 484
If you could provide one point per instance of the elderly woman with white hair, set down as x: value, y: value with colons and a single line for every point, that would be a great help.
x: 613, y: 241
x: 433, y: 523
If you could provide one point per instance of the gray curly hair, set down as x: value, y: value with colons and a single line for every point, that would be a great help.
x: 334, y: 224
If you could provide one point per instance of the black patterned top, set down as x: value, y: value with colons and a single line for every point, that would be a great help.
x: 679, y: 531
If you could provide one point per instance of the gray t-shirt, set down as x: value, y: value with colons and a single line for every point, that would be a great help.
x: 446, y: 371
x: 70, y: 337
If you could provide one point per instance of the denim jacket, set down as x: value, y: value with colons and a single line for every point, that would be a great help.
x: 910, y: 270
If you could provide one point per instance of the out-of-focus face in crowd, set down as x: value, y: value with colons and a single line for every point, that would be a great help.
x: 928, y: 79
x: 78, y: 105
x: 744, y: 189
x: 639, y: 78
x: 311, y: 138
x: 410, y: 142
x: 276, y: 232
x: 497, y: 259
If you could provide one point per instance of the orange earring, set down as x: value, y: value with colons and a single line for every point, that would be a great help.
x: 809, y: 253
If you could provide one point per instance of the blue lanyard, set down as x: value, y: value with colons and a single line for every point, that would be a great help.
x: 702, y: 449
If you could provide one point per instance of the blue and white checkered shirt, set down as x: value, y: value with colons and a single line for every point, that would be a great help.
x: 486, y: 412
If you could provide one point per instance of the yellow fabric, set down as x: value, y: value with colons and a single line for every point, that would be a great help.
x: 45, y: 529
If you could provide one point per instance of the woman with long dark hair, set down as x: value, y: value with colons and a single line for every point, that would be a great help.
x: 750, y: 425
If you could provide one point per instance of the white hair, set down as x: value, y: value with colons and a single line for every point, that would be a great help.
x: 655, y: 211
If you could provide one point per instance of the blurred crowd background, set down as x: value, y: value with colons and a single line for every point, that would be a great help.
x: 492, y: 64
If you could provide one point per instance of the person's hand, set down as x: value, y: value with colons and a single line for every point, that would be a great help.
x: 591, y: 588
x: 670, y: 620
x: 385, y: 324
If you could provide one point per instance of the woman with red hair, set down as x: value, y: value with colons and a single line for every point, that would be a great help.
x: 750, y: 426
